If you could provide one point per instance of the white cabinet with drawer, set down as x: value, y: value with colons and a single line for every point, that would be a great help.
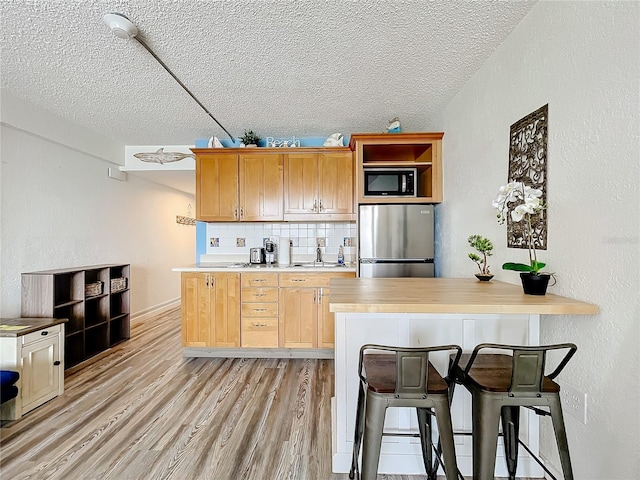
x: 36, y: 352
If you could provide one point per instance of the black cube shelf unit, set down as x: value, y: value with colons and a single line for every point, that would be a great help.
x: 95, y: 300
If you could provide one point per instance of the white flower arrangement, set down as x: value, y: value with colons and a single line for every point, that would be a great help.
x: 521, y: 202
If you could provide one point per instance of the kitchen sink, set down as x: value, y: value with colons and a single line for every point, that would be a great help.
x: 317, y: 265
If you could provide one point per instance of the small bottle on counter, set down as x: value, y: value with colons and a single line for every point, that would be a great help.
x: 340, y: 255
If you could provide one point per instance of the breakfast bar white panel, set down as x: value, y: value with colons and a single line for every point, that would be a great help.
x: 402, y: 455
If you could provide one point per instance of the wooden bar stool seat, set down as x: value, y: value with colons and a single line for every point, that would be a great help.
x: 499, y: 385
x: 403, y: 377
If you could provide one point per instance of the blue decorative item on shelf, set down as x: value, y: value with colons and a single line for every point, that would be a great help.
x: 394, y: 126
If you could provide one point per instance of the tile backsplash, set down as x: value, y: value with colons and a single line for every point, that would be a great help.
x: 238, y: 238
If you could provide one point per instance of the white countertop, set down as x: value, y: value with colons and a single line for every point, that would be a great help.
x: 244, y: 267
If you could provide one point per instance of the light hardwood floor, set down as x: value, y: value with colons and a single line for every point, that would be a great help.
x: 145, y: 412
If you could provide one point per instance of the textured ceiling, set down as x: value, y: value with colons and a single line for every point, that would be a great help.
x: 281, y: 68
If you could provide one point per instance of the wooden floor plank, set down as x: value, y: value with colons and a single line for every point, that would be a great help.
x: 142, y: 411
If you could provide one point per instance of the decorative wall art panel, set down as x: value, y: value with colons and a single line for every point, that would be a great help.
x: 528, y: 164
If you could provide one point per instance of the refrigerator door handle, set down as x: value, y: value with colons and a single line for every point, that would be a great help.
x: 396, y: 260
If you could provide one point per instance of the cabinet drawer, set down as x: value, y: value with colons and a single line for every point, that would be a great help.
x: 305, y: 279
x: 260, y: 332
x: 302, y: 280
x: 40, y: 334
x: 259, y: 295
x: 259, y: 279
x: 259, y: 309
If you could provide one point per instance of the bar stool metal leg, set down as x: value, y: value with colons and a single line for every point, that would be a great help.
x: 485, y: 420
x: 445, y: 430
x: 510, y: 429
x: 374, y: 424
x: 357, y: 437
x: 561, y: 436
x: 424, y: 424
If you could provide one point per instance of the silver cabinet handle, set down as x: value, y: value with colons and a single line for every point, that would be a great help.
x: 315, y: 205
x: 259, y: 309
x: 320, y: 209
x: 259, y: 324
x: 259, y: 294
x: 314, y: 296
x: 235, y: 213
x: 241, y: 212
x: 298, y: 280
x: 259, y: 280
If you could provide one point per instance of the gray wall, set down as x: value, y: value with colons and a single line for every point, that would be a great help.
x: 60, y: 209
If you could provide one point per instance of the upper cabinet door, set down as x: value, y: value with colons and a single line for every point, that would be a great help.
x: 319, y: 186
x: 261, y: 187
x: 335, y: 183
x: 301, y: 183
x: 217, y: 188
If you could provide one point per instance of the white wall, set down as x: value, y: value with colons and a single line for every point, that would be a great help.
x: 60, y: 209
x: 582, y: 58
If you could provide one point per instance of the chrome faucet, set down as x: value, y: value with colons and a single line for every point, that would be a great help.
x: 318, y: 255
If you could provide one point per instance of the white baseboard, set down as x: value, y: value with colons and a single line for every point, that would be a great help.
x: 147, y: 313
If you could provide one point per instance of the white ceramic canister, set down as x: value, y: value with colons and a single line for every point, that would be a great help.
x: 284, y: 251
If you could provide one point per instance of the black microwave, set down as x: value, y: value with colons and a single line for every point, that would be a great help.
x: 390, y: 182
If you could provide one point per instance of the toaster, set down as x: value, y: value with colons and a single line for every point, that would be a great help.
x: 256, y: 255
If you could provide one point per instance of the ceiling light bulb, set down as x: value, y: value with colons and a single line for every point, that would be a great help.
x: 120, y: 26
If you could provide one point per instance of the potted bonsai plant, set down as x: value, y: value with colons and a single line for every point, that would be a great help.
x: 522, y: 202
x: 484, y: 246
x: 250, y: 139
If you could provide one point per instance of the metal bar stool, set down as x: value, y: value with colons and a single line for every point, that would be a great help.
x: 402, y: 378
x: 500, y: 384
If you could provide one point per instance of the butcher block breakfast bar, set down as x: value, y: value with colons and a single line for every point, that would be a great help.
x: 424, y: 312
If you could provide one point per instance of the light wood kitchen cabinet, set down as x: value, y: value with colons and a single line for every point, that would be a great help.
x: 210, y: 309
x: 261, y: 187
x: 232, y: 186
x: 319, y: 186
x: 305, y: 319
x: 217, y: 187
x: 259, y: 310
x: 298, y: 318
x: 422, y: 151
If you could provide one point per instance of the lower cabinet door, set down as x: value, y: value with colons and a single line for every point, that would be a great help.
x: 326, y: 320
x: 225, y: 310
x: 298, y: 318
x: 41, y: 366
x: 197, y: 328
x: 210, y: 309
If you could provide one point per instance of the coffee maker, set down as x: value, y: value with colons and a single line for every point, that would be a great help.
x: 270, y: 252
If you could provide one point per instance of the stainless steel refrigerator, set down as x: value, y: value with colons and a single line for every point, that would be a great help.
x: 395, y: 241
